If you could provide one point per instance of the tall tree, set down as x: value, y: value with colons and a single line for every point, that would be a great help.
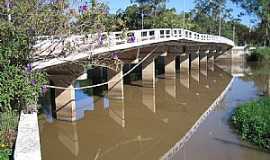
x: 261, y: 8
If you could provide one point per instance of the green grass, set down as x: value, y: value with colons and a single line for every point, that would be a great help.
x: 252, y: 121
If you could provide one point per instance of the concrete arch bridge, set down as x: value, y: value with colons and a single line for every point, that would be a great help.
x: 64, y: 59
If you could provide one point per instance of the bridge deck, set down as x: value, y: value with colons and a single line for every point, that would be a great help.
x: 53, y: 51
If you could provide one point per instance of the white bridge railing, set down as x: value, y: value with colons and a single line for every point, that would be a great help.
x: 113, y: 41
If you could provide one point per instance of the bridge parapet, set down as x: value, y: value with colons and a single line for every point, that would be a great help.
x: 74, y: 47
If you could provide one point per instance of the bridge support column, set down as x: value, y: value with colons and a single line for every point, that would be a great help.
x: 211, y: 61
x: 116, y: 84
x: 116, y: 97
x: 185, y: 70
x: 204, y: 63
x: 184, y: 62
x: 195, y: 61
x: 148, y: 73
x: 170, y: 70
x: 195, y: 66
x: 149, y: 79
x: 65, y: 104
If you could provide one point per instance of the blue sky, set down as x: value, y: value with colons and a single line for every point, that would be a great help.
x: 180, y: 5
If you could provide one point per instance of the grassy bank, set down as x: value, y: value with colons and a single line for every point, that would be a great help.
x: 252, y: 121
x: 260, y: 54
x: 8, y: 131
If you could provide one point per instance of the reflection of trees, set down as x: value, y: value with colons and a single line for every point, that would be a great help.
x: 261, y: 75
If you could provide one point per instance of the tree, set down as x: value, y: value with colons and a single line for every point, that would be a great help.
x: 260, y: 8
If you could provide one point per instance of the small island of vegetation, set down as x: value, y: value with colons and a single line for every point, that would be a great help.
x: 252, y: 121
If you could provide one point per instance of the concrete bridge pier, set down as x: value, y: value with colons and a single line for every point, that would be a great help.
x: 116, y: 84
x: 170, y: 75
x: 149, y: 81
x: 185, y: 69
x: 195, y: 66
x: 65, y: 104
x: 148, y: 73
x: 116, y: 96
x: 204, y: 63
x: 211, y: 60
x: 170, y: 70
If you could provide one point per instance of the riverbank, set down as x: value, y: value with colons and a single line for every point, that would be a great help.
x: 215, y: 138
x: 260, y: 54
x: 252, y: 122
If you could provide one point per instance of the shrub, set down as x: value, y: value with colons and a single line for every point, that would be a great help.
x: 260, y: 54
x: 19, y: 85
x: 4, y: 154
x: 252, y: 120
x: 8, y: 127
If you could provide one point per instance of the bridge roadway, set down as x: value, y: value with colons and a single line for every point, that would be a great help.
x: 62, y: 59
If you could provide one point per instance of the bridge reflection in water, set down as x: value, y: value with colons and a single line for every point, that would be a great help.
x: 143, y: 125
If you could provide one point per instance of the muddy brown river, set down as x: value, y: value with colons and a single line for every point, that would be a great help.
x: 149, y: 121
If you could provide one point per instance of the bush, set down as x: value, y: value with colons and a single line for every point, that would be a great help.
x: 260, y: 54
x: 5, y: 154
x: 19, y: 85
x: 8, y: 127
x: 252, y: 120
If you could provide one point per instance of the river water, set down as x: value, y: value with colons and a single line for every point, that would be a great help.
x: 150, y: 120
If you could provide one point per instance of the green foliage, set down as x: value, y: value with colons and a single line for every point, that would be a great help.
x: 14, y: 45
x: 260, y: 8
x: 8, y: 127
x: 260, y: 54
x: 5, y: 154
x: 19, y: 87
x: 252, y: 120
